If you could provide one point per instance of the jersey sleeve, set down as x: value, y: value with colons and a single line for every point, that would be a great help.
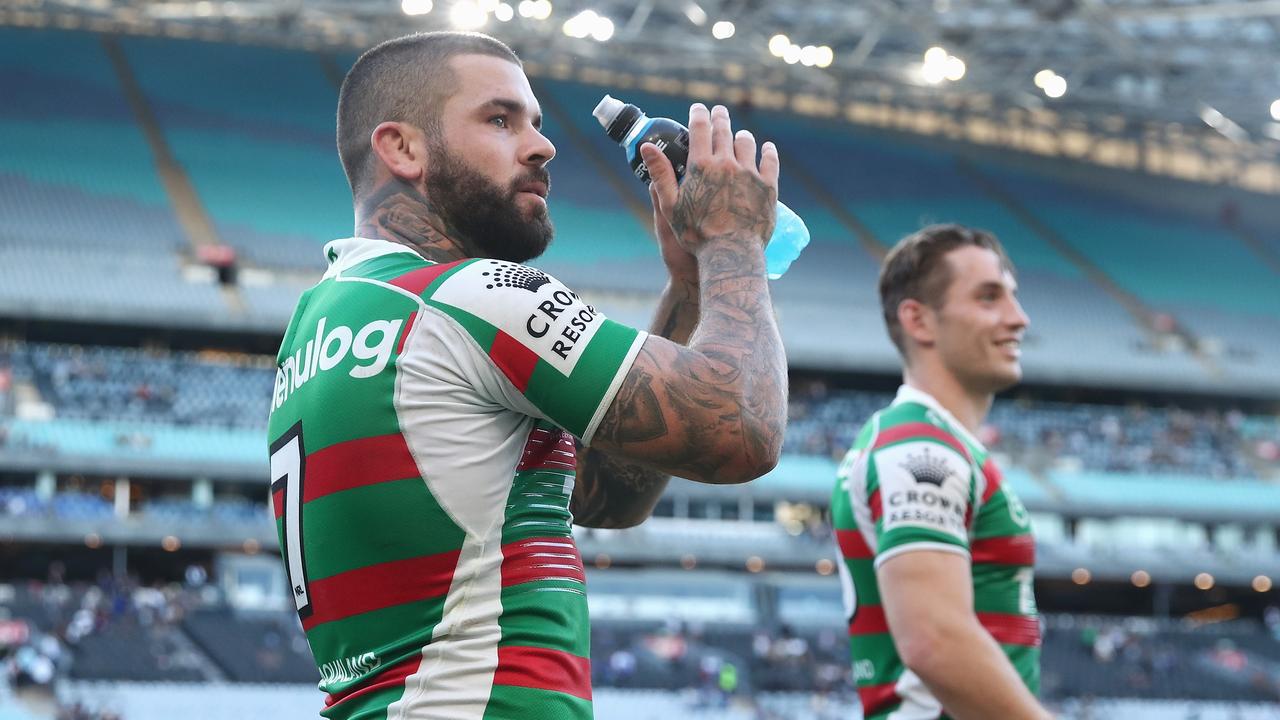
x: 921, y: 499
x: 556, y: 356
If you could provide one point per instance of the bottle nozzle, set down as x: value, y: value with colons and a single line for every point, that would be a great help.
x: 607, y: 110
x: 616, y: 117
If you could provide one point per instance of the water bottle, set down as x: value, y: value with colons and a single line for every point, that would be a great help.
x: 629, y: 127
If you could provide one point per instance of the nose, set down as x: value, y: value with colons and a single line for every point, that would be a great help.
x: 539, y: 150
x: 1018, y: 317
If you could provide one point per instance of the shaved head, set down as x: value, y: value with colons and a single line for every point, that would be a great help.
x: 408, y: 80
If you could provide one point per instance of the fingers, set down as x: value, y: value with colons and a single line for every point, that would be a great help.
x: 699, y: 133
x: 656, y: 200
x: 721, y: 132
x: 662, y: 185
x: 769, y: 165
x: 744, y: 148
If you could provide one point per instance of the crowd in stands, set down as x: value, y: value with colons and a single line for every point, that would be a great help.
x: 1041, y: 436
x: 178, y: 388
x: 186, y: 389
x: 122, y: 630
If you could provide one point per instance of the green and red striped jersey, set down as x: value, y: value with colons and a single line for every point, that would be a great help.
x: 917, y: 479
x: 422, y: 461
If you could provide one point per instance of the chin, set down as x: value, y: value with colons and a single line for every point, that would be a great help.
x: 1006, y: 378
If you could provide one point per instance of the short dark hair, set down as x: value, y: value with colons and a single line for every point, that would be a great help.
x: 916, y: 269
x: 407, y: 79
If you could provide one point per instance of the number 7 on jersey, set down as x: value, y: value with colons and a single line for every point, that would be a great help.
x: 288, y: 464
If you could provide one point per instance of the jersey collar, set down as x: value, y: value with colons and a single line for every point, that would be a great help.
x: 906, y: 393
x: 349, y: 252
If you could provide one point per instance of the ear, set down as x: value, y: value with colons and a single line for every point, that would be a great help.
x: 918, y: 320
x: 401, y: 148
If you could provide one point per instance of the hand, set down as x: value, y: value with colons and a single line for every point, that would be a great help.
x: 724, y: 194
x: 681, y: 264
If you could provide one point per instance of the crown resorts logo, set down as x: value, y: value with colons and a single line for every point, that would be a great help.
x: 927, y: 468
x: 515, y: 276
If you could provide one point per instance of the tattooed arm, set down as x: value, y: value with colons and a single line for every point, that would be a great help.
x: 714, y: 411
x: 613, y: 491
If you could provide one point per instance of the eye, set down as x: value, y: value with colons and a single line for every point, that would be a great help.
x: 500, y: 121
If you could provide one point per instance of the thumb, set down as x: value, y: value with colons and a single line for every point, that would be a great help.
x: 662, y: 175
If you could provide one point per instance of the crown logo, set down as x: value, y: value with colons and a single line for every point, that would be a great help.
x: 927, y: 468
x: 515, y: 276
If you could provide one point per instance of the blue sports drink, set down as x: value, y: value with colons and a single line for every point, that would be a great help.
x: 629, y: 127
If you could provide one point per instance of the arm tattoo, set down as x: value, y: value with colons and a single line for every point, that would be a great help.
x: 722, y: 400
x: 398, y: 212
x: 615, y: 492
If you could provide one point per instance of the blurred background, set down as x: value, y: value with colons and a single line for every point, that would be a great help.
x: 168, y: 177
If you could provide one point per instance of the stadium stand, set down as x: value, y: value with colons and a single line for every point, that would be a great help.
x: 255, y: 135
x: 79, y: 191
x: 89, y: 231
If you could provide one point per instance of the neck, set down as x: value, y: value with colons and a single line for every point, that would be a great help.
x: 401, y: 213
x: 969, y: 407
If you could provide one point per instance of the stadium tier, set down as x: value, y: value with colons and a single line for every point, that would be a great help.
x: 653, y: 631
x: 257, y: 108
x: 1125, y: 260
x: 164, y: 202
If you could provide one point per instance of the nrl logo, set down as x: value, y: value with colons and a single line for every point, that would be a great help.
x: 515, y: 276
x: 927, y: 468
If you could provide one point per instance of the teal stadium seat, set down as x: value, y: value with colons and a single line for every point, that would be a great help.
x: 85, y: 224
x: 254, y: 130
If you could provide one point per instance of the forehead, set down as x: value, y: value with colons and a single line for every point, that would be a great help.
x: 481, y: 78
x: 972, y: 266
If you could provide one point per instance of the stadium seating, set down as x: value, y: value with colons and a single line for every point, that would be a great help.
x: 253, y: 129
x: 266, y: 650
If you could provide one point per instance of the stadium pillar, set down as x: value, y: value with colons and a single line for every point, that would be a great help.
x: 46, y: 485
x: 202, y: 493
x: 122, y: 497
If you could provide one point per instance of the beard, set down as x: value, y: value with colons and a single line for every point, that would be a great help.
x: 485, y: 216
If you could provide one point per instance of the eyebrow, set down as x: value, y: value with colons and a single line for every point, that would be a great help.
x: 513, y: 106
x: 993, y: 285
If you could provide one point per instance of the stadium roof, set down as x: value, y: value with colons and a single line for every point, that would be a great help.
x: 1208, y: 67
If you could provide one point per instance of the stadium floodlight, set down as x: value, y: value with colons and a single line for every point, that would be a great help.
x: 723, y: 30
x: 581, y: 25
x: 467, y: 15
x: 934, y: 67
x: 792, y: 54
x: 696, y: 14
x: 953, y: 68
x: 1204, y: 581
x: 1212, y: 117
x: 1081, y: 576
x: 809, y: 55
x: 826, y: 56
x: 1140, y: 578
x: 416, y: 7
x: 933, y: 73
x: 534, y: 9
x: 1275, y: 111
x: 601, y: 29
x: 504, y: 12
x: 488, y: 5
x: 778, y: 45
x: 1043, y: 77
x: 1262, y: 584
x: 1056, y: 87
